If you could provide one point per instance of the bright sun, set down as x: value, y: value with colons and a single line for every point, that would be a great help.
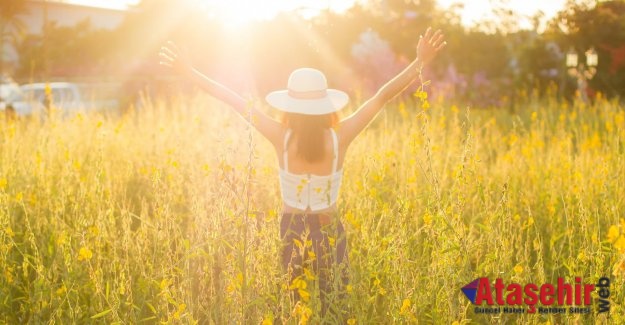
x: 240, y: 12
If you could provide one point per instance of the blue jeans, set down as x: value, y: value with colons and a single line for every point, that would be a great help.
x: 328, y: 246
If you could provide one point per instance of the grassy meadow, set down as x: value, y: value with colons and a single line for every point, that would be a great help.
x: 170, y: 214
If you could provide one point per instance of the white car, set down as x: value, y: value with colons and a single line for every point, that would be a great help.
x: 9, y: 91
x: 31, y: 98
x: 64, y: 96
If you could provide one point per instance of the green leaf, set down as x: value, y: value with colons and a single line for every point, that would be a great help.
x: 151, y: 307
x: 98, y: 315
x: 147, y: 319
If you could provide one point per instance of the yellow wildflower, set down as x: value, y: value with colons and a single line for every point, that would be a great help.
x: 94, y: 231
x: 613, y: 233
x: 518, y: 269
x: 84, y: 254
x: 620, y: 244
x: 304, y: 294
x: 422, y: 95
x: 298, y: 283
x: 268, y: 320
x: 164, y: 284
x: 180, y: 310
x: 309, y: 274
x: 304, y: 312
x: 405, y: 307
x: 61, y: 239
x: 528, y: 223
x: 427, y: 218
x: 8, y: 274
x: 61, y: 291
x: 331, y: 241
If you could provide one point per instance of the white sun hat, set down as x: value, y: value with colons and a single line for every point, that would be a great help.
x: 307, y: 93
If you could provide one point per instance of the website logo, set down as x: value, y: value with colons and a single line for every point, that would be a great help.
x: 470, y: 290
x: 548, y: 298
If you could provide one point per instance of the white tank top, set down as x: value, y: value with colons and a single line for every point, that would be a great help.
x: 308, y: 190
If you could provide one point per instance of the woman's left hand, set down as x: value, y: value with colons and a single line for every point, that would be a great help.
x: 429, y: 45
x: 171, y: 56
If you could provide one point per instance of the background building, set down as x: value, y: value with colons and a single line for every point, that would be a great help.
x: 38, y: 12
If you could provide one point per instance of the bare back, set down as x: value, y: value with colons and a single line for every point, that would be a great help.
x: 298, y: 165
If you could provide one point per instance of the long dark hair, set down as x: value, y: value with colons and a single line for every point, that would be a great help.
x: 307, y: 130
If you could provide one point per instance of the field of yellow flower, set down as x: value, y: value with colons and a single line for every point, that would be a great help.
x: 170, y: 214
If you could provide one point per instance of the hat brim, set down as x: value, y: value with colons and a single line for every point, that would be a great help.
x: 333, y: 102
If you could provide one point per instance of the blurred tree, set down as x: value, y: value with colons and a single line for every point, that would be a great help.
x: 402, y: 21
x: 151, y: 22
x: 393, y: 9
x: 148, y: 25
x: 486, y: 65
x: 78, y: 51
x: 601, y: 25
x: 540, y: 60
x: 11, y: 25
x: 144, y: 30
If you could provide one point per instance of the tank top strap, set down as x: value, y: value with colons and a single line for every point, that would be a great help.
x: 285, y: 153
x: 335, y: 141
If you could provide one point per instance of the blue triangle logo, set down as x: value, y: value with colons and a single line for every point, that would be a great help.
x: 470, y: 290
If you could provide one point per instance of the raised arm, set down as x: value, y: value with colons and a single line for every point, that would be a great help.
x: 172, y: 57
x: 427, y: 48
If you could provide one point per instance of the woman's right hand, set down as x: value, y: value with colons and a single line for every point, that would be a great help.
x: 429, y: 45
x: 172, y: 57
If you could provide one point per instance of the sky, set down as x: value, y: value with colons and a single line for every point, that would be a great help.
x: 118, y: 4
x: 474, y: 10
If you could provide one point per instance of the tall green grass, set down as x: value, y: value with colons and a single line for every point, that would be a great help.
x: 170, y: 214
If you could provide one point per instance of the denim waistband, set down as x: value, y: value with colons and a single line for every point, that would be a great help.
x: 312, y: 219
